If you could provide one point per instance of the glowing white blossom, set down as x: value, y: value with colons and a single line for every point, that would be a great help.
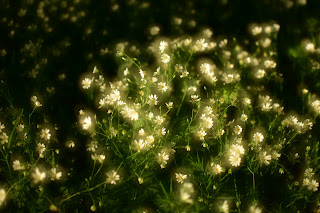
x: 17, y: 165
x: 181, y: 177
x: 258, y: 137
x: 165, y: 58
x: 86, y: 83
x: 163, y: 45
x: 55, y: 175
x: 186, y: 192
x: 162, y: 86
x: 112, y: 177
x: 86, y: 123
x: 45, y: 134
x: 38, y: 176
x: 3, y: 196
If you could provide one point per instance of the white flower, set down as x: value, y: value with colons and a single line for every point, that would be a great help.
x: 216, y: 168
x: 126, y: 72
x: 45, y: 134
x: 309, y: 172
x: 186, y: 192
x: 149, y: 139
x: 201, y: 133
x: 200, y: 45
x: 2, y: 126
x: 184, y: 73
x: 169, y: 105
x: 260, y: 73
x: 17, y: 165
x: 141, y: 132
x: 113, y: 177
x: 237, y: 129
x: 86, y: 123
x: 206, y: 121
x: 162, y: 86
x: 235, y: 160
x: 153, y: 99
x: 163, y: 45
x: 55, y: 175
x: 165, y: 58
x: 86, y: 83
x: 20, y: 127
x: 269, y: 64
x: 3, y: 195
x: 154, y: 30
x: 35, y: 101
x: 139, y: 145
x: 247, y: 101
x: 130, y: 113
x: 41, y: 148
x: 316, y: 106
x: 237, y: 149
x: 264, y: 158
x: 180, y: 177
x: 258, y: 137
x: 38, y: 176
x: 4, y: 138
x: 142, y: 74
x: 163, y: 157
x: 256, y: 30
x: 254, y: 209
x: 310, y: 47
x: 313, y: 185
x: 70, y: 144
x: 205, y: 68
x: 95, y: 70
x: 224, y: 207
x: 195, y: 98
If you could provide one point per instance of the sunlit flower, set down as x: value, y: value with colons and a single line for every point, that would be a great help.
x: 55, y: 175
x: 237, y: 129
x: 313, y: 185
x: 254, y: 209
x: 201, y: 133
x: 45, y: 134
x: 112, y: 177
x: 38, y: 176
x: 162, y: 86
x: 264, y: 158
x: 165, y: 58
x: 86, y: 83
x: 130, y: 113
x: 153, y: 99
x: 4, y: 138
x: 17, y: 165
x: 3, y: 196
x: 186, y: 192
x: 256, y: 30
x: 235, y: 160
x: 163, y: 45
x: 258, y: 137
x: 35, y: 102
x: 224, y: 207
x: 216, y: 168
x: 180, y: 177
x: 86, y: 123
x: 41, y: 148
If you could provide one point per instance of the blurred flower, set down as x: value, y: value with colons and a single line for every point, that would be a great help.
x: 86, y: 83
x: 112, y: 177
x: 45, y: 134
x: 38, y: 176
x: 3, y: 196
